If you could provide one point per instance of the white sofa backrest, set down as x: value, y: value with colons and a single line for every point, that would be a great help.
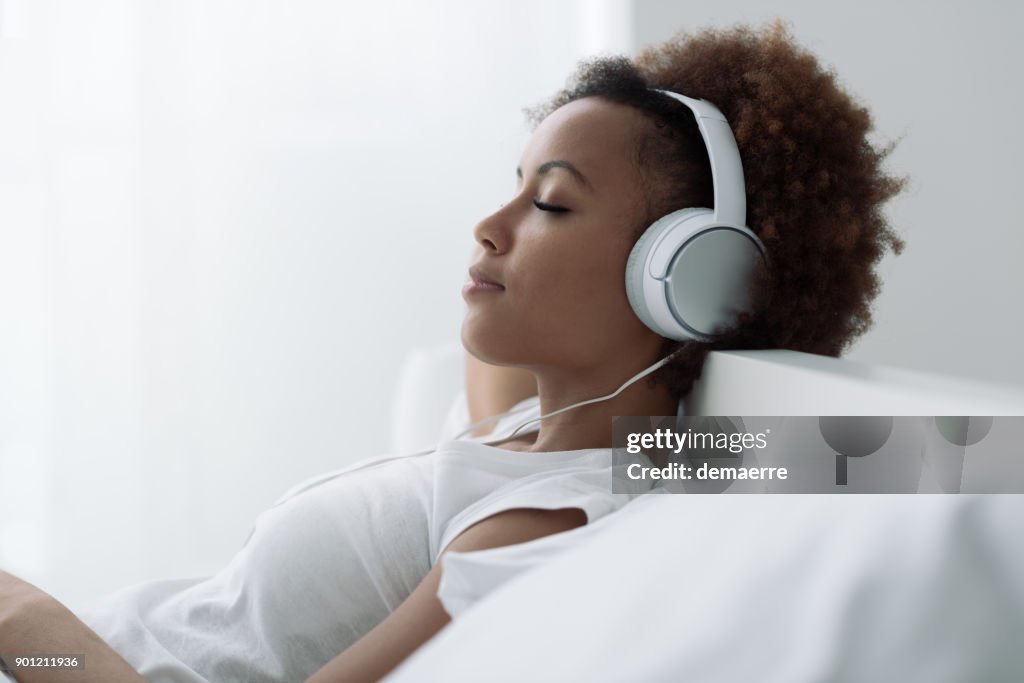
x: 739, y: 383
x: 779, y: 382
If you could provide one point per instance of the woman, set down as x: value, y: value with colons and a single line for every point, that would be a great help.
x: 547, y: 312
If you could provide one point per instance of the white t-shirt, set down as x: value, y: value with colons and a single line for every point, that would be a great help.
x: 331, y: 560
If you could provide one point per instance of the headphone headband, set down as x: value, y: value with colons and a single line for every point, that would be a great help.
x: 687, y: 276
x: 726, y: 169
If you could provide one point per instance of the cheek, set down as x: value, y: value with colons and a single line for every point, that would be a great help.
x: 587, y: 287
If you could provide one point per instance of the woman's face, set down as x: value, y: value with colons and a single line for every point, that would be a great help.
x: 558, y: 248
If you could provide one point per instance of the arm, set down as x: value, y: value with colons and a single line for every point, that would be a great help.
x: 421, y: 615
x: 34, y: 623
x: 491, y: 390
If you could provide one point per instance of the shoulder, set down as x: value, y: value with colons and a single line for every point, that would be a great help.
x: 517, y: 525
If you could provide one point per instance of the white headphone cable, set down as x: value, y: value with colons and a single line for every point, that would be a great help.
x: 491, y: 419
x: 640, y: 375
x: 316, y: 481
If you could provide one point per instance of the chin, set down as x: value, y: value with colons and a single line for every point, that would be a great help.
x: 492, y: 346
x: 471, y: 343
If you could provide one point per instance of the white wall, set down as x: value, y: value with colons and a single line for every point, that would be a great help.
x: 223, y: 225
x: 944, y: 77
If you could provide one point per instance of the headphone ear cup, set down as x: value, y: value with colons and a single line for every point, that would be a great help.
x: 635, y: 265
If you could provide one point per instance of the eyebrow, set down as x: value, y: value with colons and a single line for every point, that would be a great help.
x: 559, y: 163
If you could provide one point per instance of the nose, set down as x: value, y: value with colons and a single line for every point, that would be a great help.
x: 492, y: 233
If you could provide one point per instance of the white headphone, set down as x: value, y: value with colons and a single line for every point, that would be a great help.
x: 687, y: 276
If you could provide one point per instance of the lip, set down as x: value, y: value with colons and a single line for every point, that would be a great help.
x: 480, y: 282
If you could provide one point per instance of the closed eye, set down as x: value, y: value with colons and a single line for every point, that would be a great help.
x: 549, y: 207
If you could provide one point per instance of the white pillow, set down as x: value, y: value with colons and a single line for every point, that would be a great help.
x: 428, y: 381
x: 784, y: 588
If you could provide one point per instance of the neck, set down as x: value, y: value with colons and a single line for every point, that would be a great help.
x: 590, y: 426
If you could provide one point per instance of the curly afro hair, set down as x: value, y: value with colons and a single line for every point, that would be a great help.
x: 815, y: 184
